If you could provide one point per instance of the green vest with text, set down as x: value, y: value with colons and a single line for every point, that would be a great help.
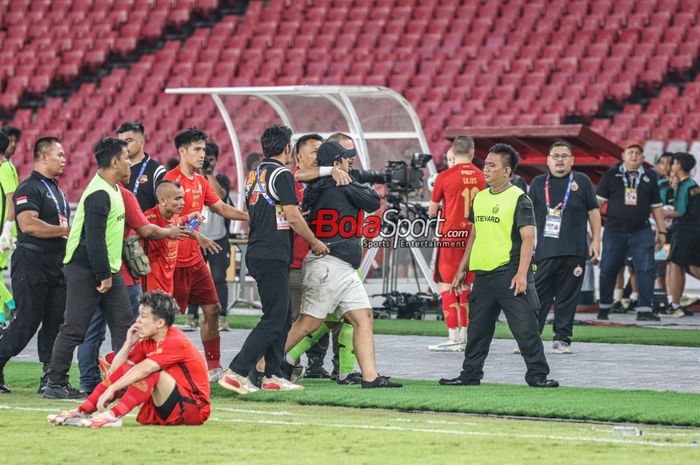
x: 114, y: 234
x: 494, y: 215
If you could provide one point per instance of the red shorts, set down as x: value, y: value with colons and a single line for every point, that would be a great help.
x: 193, y: 285
x: 446, y: 264
x: 186, y: 413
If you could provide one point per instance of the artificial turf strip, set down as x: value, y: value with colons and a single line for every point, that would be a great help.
x: 609, y: 335
x: 635, y: 406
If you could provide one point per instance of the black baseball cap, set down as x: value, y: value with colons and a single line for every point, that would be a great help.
x: 331, y: 151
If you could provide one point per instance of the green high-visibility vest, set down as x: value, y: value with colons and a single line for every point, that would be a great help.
x: 494, y: 215
x: 115, y: 223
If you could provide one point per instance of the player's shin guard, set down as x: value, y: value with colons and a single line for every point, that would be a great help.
x: 305, y: 344
x: 346, y: 354
x: 212, y: 352
x: 449, y: 308
x: 136, y: 394
x: 90, y: 404
x: 464, y: 308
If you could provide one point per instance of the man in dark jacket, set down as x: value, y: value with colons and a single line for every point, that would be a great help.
x: 331, y: 283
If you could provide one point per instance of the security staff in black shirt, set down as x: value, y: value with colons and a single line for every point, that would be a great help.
x: 499, y: 252
x: 564, y: 202
x: 37, y: 265
x: 274, y: 212
x: 146, y: 173
x: 632, y: 194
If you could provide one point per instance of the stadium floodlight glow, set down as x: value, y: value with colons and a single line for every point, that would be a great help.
x: 381, y: 121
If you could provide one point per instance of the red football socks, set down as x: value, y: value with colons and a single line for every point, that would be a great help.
x: 212, y: 352
x: 449, y: 308
x: 464, y: 309
x: 136, y: 394
x: 90, y: 404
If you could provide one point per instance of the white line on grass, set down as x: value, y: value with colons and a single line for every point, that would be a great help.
x: 412, y: 430
x: 260, y: 412
x: 547, y: 437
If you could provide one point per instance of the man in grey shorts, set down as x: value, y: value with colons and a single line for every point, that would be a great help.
x: 331, y: 284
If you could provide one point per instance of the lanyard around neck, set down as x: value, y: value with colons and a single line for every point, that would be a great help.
x: 566, y: 195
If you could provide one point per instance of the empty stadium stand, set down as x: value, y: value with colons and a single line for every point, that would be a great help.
x: 470, y: 63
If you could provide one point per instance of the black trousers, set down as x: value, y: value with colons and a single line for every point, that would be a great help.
x: 491, y: 293
x: 82, y: 299
x: 269, y: 336
x: 558, y: 280
x: 39, y: 289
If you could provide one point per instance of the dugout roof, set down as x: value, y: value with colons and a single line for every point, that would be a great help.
x: 381, y: 121
x: 593, y: 153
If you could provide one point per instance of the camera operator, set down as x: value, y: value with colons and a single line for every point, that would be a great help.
x: 331, y: 283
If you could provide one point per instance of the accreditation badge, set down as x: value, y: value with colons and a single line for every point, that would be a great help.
x: 281, y: 219
x: 631, y: 196
x: 552, y: 223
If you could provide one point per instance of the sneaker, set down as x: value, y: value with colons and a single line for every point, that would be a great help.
x: 223, y: 324
x: 447, y: 346
x: 380, y: 382
x: 43, y: 381
x: 3, y: 387
x: 67, y: 418
x: 561, y: 347
x: 619, y: 306
x: 273, y: 383
x: 463, y: 335
x: 316, y: 373
x: 647, y: 316
x: 350, y: 379
x: 603, y: 315
x: 62, y: 391
x: 102, y: 420
x: 673, y: 313
x: 234, y: 382
x: 215, y: 374
x: 297, y: 373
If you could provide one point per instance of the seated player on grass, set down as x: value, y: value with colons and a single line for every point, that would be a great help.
x: 158, y: 368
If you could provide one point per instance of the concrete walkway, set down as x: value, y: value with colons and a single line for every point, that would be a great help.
x: 619, y: 366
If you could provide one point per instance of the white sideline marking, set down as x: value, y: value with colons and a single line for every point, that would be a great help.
x: 547, y: 437
x: 436, y: 422
x: 260, y: 412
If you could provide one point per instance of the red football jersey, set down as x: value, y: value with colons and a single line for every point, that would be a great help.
x: 301, y: 247
x: 198, y: 193
x: 162, y: 254
x: 457, y: 187
x: 134, y: 218
x: 177, y: 356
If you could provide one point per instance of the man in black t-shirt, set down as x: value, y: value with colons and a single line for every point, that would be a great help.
x: 632, y: 194
x: 146, y: 173
x: 564, y: 202
x: 38, y: 283
x: 273, y: 208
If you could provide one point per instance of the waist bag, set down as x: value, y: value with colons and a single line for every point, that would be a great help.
x: 135, y: 257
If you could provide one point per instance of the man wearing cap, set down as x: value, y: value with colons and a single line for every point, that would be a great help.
x: 632, y: 193
x: 331, y: 283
